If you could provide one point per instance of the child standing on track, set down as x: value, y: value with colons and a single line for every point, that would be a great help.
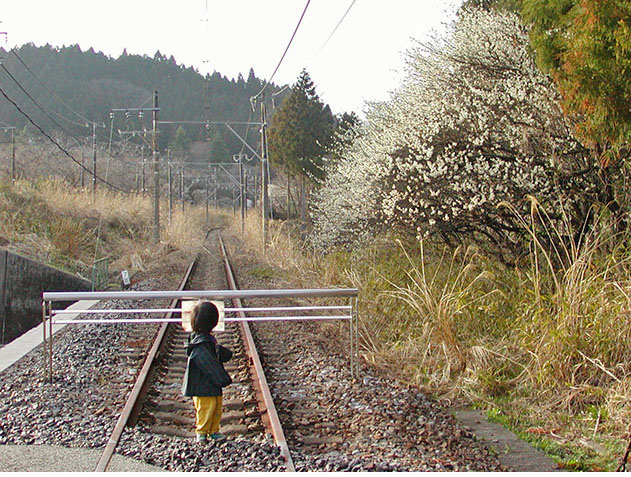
x: 205, y: 375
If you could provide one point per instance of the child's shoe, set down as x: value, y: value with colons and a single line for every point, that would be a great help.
x: 201, y: 437
x: 217, y: 437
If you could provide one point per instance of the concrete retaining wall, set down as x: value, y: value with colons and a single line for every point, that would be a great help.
x: 22, y: 282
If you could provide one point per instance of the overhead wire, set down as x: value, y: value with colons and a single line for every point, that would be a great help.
x: 41, y: 108
x: 51, y: 139
x: 336, y: 27
x: 51, y: 91
x: 284, y: 53
x: 64, y: 130
x: 47, y: 87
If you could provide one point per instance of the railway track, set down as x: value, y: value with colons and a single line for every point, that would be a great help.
x: 329, y: 421
x: 156, y: 401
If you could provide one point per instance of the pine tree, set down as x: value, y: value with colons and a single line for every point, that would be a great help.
x: 301, y: 130
x: 219, y: 151
x: 181, y: 142
x: 301, y: 133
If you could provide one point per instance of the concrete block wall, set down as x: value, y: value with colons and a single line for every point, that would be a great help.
x: 22, y: 282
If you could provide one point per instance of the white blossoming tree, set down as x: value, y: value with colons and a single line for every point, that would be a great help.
x: 345, y: 209
x: 474, y: 124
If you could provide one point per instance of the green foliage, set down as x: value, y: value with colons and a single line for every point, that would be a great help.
x: 586, y: 47
x: 219, y: 151
x: 99, y: 83
x: 346, y: 131
x: 264, y: 273
x: 181, y: 142
x: 301, y: 130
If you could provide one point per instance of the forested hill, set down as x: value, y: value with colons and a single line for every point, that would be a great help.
x: 92, y: 84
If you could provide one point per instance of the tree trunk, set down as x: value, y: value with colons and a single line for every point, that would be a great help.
x: 607, y: 194
x: 303, y: 200
x: 288, y: 196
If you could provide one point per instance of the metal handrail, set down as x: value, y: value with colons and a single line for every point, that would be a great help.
x: 112, y: 321
x: 208, y: 294
x: 176, y: 310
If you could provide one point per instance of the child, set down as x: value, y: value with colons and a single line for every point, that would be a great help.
x: 205, y: 375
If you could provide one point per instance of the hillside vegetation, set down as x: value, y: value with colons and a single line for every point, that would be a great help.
x: 99, y: 83
x: 53, y: 223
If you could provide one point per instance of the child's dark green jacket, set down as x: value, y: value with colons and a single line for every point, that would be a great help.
x: 204, y: 375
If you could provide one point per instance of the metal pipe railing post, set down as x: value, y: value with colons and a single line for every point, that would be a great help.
x: 50, y: 343
x: 356, y: 313
x: 44, y: 348
x: 351, y: 350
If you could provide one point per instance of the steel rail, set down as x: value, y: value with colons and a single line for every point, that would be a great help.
x: 269, y: 416
x: 139, y: 386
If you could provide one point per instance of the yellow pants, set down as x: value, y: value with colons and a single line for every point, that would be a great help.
x: 207, y: 414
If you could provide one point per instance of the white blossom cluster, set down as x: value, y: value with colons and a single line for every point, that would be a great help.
x: 345, y: 208
x: 475, y: 123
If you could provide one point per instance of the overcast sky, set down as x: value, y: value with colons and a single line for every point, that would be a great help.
x: 361, y: 62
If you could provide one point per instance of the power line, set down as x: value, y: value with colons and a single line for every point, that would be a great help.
x: 336, y: 26
x: 46, y: 86
x: 8, y: 73
x: 284, y: 53
x: 43, y: 109
x: 64, y: 130
x: 51, y: 91
x: 51, y: 139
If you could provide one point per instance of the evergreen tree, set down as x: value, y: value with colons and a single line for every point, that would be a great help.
x: 345, y: 132
x: 301, y: 131
x: 219, y: 151
x: 181, y: 142
x: 99, y: 83
x: 586, y: 46
x: 488, y: 5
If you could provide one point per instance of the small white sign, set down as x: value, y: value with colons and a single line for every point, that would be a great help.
x: 187, y: 306
x: 125, y: 278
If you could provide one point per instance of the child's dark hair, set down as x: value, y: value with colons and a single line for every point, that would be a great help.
x: 204, y: 317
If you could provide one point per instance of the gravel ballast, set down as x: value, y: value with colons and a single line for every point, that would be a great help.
x: 331, y: 422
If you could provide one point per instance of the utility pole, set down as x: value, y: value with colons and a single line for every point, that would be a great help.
x: 94, y: 158
x: 264, y: 198
x: 242, y: 196
x: 238, y: 158
x: 156, y: 171
x: 182, y: 185
x: 142, y: 172
x: 82, y: 176
x: 245, y: 193
x: 13, y: 177
x: 207, y: 194
x: 170, y: 180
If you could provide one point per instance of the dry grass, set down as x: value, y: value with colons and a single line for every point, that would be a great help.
x: 52, y: 222
x: 546, y: 344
